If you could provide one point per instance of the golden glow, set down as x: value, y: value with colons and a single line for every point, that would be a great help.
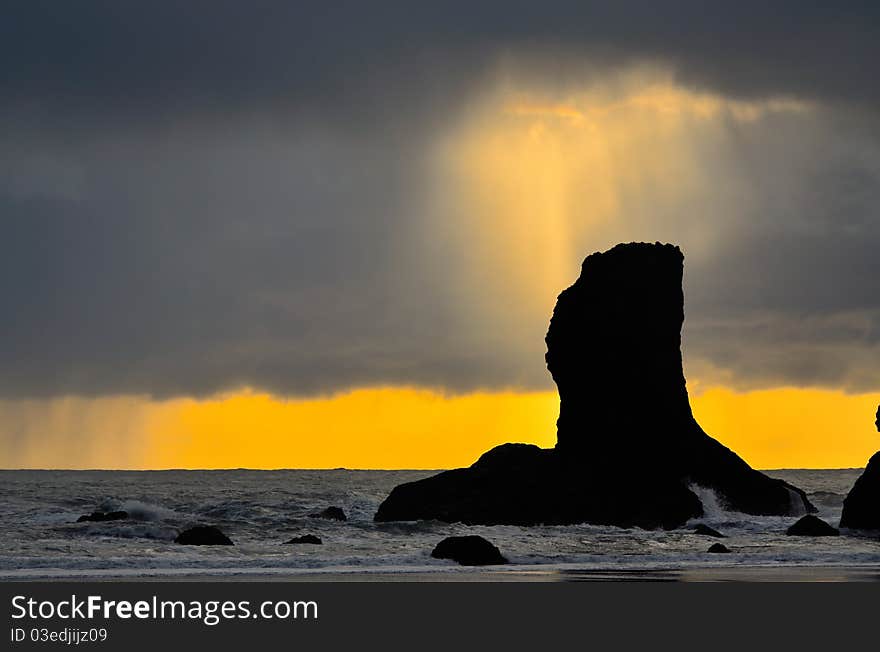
x: 400, y: 428
x: 375, y: 428
x: 369, y: 428
x: 533, y: 177
x: 792, y: 428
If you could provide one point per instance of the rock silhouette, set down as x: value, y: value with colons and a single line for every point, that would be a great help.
x: 811, y: 526
x: 330, y: 514
x: 718, y: 548
x: 306, y: 538
x: 861, y: 507
x: 628, y: 447
x: 469, y: 551
x: 521, y: 484
x: 203, y: 535
x: 100, y: 517
x: 707, y: 531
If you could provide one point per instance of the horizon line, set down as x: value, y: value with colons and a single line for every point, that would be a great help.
x: 346, y: 468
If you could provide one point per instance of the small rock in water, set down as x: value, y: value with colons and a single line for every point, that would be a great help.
x: 100, y: 517
x: 718, y: 547
x: 468, y: 551
x: 811, y: 526
x: 331, y: 514
x: 306, y: 538
x: 705, y: 530
x: 203, y: 535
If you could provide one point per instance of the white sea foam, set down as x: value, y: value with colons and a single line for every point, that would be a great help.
x: 714, y: 508
x: 146, y: 511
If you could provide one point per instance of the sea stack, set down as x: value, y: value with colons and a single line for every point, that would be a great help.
x: 861, y: 507
x: 628, y: 447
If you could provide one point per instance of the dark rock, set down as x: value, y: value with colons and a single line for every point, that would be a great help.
x: 521, y: 484
x: 468, y: 551
x: 614, y: 351
x: 203, y: 535
x: 705, y: 530
x: 306, y: 538
x: 628, y: 447
x: 331, y: 514
x: 811, y: 526
x: 861, y: 507
x: 718, y: 547
x: 99, y: 517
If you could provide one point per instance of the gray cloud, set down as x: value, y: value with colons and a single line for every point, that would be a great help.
x: 199, y: 196
x: 164, y: 58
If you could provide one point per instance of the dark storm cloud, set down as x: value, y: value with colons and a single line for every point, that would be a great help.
x: 166, y: 56
x: 791, y: 296
x: 202, y: 195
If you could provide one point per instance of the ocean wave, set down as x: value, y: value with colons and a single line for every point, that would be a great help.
x: 829, y: 498
x: 260, y: 510
x: 137, y: 510
x: 714, y: 507
x: 142, y: 511
x: 133, y: 531
x: 412, y: 527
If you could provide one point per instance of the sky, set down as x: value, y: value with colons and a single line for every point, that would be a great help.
x: 274, y: 234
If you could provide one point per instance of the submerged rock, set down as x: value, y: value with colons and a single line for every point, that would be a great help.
x: 306, y: 538
x: 99, y: 517
x: 861, y: 507
x: 468, y: 551
x: 330, y: 514
x: 203, y: 535
x: 705, y: 530
x: 627, y: 442
x: 811, y: 526
x: 718, y: 548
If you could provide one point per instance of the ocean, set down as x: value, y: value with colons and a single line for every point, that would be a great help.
x: 259, y: 510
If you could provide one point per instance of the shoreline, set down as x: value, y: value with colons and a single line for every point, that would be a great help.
x: 519, y: 573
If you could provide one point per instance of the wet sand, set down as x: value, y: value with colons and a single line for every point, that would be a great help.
x: 484, y: 574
